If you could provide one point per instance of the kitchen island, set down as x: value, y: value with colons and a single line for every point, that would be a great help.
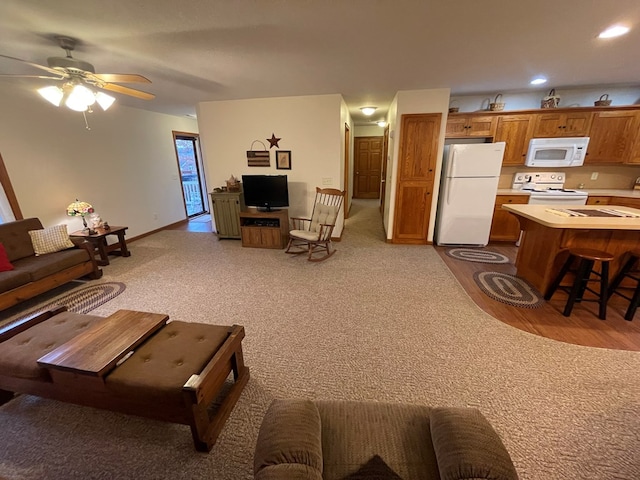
x: 549, y: 232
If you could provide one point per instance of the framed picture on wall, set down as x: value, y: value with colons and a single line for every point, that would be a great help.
x: 283, y: 159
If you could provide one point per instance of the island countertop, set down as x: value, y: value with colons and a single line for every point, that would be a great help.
x: 541, y: 214
x: 547, y: 238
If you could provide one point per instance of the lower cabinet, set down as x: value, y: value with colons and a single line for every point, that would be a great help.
x: 226, y: 211
x: 598, y: 200
x: 626, y: 202
x: 264, y: 229
x: 505, y: 226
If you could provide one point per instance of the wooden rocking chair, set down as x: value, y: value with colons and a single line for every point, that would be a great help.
x: 313, y: 235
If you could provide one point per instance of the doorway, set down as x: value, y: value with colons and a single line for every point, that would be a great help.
x: 191, y: 173
x: 368, y: 165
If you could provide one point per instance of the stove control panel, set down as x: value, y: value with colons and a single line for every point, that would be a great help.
x: 532, y: 180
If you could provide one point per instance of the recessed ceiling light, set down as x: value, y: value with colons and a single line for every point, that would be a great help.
x: 368, y: 110
x: 614, y: 31
x: 538, y: 81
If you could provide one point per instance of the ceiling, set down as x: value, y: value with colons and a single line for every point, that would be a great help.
x: 366, y: 50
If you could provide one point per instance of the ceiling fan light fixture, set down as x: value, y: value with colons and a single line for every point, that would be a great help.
x: 52, y: 94
x: 368, y: 110
x: 104, y: 100
x: 80, y: 98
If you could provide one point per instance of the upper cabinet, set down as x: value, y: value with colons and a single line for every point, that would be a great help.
x: 613, y: 135
x: 565, y: 124
x: 515, y: 131
x: 614, y: 131
x: 460, y: 126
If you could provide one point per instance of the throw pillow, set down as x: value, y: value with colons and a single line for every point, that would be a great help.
x: 50, y: 239
x: 5, y: 264
x: 374, y: 469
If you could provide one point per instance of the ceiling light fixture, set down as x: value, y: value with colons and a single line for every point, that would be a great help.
x: 76, y: 96
x: 538, y: 81
x: 368, y: 110
x: 614, y: 31
x: 382, y: 123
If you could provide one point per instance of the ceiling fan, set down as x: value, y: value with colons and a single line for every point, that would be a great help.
x: 78, y: 76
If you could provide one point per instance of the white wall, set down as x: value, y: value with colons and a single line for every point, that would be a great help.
x: 577, y: 97
x: 368, y: 131
x: 311, y: 127
x: 415, y: 101
x: 125, y: 166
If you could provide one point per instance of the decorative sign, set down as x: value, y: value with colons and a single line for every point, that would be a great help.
x: 258, y: 158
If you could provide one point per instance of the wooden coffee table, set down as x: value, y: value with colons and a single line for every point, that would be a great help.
x: 99, y: 241
x: 85, y: 370
x: 93, y: 353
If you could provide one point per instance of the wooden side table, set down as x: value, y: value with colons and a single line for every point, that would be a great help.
x: 99, y: 241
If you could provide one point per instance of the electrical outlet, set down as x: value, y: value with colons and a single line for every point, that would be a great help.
x: 327, y: 181
x: 594, y: 176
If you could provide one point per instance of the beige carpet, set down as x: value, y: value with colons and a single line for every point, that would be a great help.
x: 375, y: 322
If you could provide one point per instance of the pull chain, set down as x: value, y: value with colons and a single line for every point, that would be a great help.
x: 86, y: 123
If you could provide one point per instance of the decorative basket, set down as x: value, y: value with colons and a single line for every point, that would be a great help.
x: 496, y: 105
x: 603, y: 101
x: 454, y: 109
x: 233, y: 185
x: 550, y: 101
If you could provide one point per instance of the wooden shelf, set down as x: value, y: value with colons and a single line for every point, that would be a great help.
x: 264, y: 229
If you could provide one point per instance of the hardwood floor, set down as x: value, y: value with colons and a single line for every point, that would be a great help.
x: 582, y: 327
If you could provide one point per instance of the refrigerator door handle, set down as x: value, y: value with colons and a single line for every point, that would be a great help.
x: 452, y: 161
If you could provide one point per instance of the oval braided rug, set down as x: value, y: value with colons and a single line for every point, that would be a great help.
x: 508, y: 289
x: 477, y: 255
x: 84, y: 299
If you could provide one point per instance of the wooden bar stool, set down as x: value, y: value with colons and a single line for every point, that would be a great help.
x: 587, y: 258
x: 628, y: 270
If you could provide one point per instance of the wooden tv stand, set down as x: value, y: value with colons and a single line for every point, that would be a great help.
x: 264, y: 229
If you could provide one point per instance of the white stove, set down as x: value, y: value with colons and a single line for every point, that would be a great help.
x: 548, y: 188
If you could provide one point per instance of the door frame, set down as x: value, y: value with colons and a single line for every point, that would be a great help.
x: 200, y: 166
x: 347, y: 169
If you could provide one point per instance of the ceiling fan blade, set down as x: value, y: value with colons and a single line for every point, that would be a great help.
x: 9, y: 75
x: 41, y: 67
x: 121, y: 78
x: 127, y: 91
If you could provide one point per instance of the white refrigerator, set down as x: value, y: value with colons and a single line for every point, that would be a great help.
x: 470, y: 174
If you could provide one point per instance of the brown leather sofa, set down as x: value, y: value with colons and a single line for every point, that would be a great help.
x: 33, y: 274
x: 342, y: 440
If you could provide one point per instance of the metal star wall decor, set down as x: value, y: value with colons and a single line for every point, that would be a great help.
x: 273, y: 141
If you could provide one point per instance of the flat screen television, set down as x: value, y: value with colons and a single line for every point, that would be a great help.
x: 265, y: 192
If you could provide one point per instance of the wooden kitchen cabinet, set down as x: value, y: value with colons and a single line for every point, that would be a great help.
x: 460, y: 126
x: 417, y: 159
x: 565, y: 124
x: 626, y: 202
x: 505, y: 226
x: 612, y: 137
x: 598, y: 200
x: 515, y: 131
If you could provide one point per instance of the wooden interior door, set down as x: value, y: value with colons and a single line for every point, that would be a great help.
x: 417, y: 159
x: 368, y: 167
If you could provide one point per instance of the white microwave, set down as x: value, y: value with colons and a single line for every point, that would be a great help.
x: 557, y: 152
